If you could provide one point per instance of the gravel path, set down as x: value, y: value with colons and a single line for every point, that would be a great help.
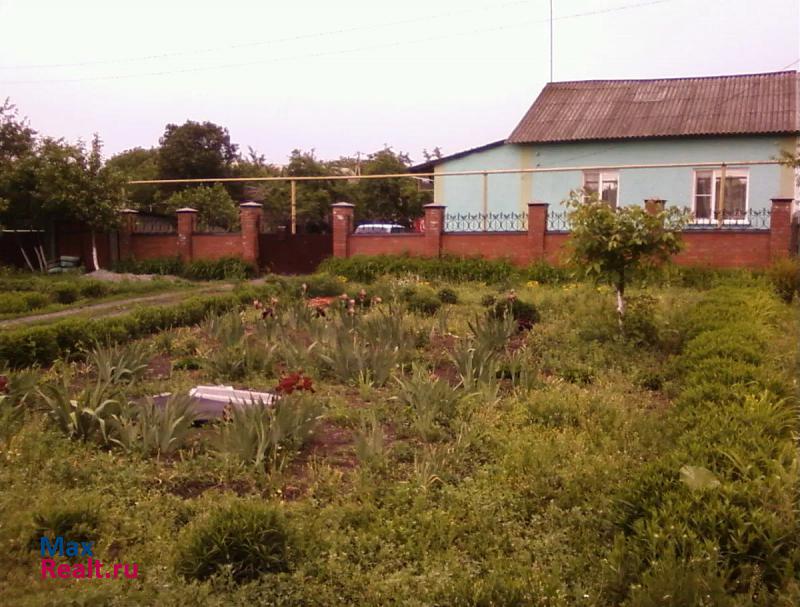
x: 116, y: 307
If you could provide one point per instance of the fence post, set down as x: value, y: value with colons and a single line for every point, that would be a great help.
x: 250, y: 220
x: 187, y: 220
x: 126, y: 233
x: 434, y: 226
x: 780, y: 228
x: 654, y: 206
x: 342, y: 228
x: 537, y: 227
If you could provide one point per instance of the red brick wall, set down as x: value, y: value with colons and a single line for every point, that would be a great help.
x: 214, y: 246
x: 150, y: 246
x: 386, y: 244
x: 492, y: 245
x: 725, y: 249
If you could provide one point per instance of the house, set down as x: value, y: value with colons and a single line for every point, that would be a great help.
x: 614, y: 124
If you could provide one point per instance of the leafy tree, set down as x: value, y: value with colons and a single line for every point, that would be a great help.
x: 139, y: 164
x: 215, y: 207
x: 17, y: 139
x: 314, y: 198
x: 395, y: 200
x: 72, y: 182
x: 609, y: 243
x: 194, y: 150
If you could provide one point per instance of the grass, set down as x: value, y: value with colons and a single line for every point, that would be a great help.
x: 25, y: 294
x: 543, y: 482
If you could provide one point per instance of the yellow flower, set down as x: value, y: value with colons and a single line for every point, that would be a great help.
x: 533, y: 283
x: 341, y: 278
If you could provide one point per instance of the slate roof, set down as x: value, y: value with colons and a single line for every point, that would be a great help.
x: 674, y: 107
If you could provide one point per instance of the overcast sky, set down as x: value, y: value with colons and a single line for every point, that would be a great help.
x: 351, y: 75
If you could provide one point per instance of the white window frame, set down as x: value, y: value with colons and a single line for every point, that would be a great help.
x: 601, y: 174
x: 717, y: 174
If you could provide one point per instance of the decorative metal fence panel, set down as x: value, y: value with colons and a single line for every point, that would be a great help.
x: 147, y: 224
x: 751, y: 219
x: 558, y: 221
x: 486, y: 222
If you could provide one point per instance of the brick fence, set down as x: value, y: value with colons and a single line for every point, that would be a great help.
x: 189, y: 244
x: 730, y: 246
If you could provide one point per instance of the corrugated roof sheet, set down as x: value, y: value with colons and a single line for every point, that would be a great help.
x: 677, y: 107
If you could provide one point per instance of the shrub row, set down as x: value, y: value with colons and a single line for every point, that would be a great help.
x: 369, y: 268
x: 43, y: 344
x: 224, y: 268
x: 716, y: 516
x: 18, y: 295
x: 785, y: 275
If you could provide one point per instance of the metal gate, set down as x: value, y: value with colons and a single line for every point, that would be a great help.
x: 285, y: 253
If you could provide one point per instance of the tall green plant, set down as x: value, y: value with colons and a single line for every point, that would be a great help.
x: 609, y: 243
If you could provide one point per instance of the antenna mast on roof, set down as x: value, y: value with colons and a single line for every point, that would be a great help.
x: 551, y: 40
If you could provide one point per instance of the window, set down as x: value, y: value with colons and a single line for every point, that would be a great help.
x: 605, y: 184
x: 707, y: 197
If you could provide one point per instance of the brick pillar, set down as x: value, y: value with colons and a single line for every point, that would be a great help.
x: 187, y: 220
x: 126, y: 233
x: 434, y: 226
x: 342, y: 228
x: 537, y: 227
x: 780, y: 228
x: 654, y: 206
x: 250, y: 220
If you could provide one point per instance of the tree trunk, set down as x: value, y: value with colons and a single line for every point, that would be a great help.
x: 95, y: 263
x: 621, y: 304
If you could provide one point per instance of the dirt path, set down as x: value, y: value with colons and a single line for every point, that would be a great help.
x: 116, y: 307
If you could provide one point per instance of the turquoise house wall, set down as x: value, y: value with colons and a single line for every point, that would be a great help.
x: 513, y: 192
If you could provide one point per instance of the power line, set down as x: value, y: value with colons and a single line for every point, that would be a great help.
x: 252, y: 44
x: 337, y: 52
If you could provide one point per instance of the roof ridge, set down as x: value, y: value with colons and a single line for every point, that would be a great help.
x: 674, y: 78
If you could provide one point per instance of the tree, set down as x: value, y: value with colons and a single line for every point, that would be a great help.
x: 397, y: 200
x: 73, y: 183
x: 17, y: 138
x: 609, y: 243
x: 138, y: 164
x: 194, y: 150
x: 215, y: 208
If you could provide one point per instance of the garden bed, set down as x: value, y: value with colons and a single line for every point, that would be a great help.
x: 434, y: 443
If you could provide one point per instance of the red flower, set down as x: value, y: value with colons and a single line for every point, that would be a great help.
x: 294, y: 382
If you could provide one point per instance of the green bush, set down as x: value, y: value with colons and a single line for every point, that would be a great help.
x: 13, y: 303
x: 93, y: 289
x: 424, y: 303
x: 246, y: 539
x: 784, y: 274
x: 447, y: 295
x: 225, y: 268
x: 74, y: 522
x: 723, y: 494
x: 27, y: 346
x: 35, y: 300
x: 544, y: 273
x: 367, y: 269
x: 322, y: 285
x: 65, y: 292
x: 160, y: 265
x: 639, y: 325
x: 523, y: 312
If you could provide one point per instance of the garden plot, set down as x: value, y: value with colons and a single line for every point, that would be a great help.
x: 427, y: 443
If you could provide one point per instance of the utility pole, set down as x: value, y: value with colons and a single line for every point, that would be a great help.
x: 551, y: 40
